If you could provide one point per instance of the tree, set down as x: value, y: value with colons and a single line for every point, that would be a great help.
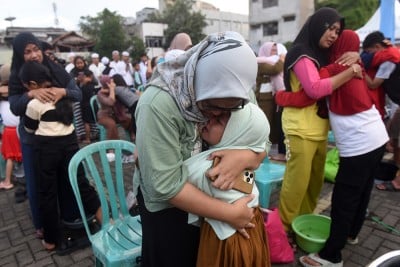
x: 180, y: 19
x: 355, y: 12
x: 108, y: 32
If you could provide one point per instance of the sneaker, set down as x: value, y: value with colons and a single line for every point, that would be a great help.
x: 128, y: 158
x: 352, y: 241
x: 110, y: 157
x: 131, y: 200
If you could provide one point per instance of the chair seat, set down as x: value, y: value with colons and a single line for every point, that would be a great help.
x: 119, y: 242
x: 268, y: 177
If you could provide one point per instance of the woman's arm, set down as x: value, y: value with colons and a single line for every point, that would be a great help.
x: 72, y: 91
x: 293, y: 99
x: 314, y: 86
x: 191, y: 199
x: 373, y: 83
x: 269, y: 69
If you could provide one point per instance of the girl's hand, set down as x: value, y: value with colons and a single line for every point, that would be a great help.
x: 349, y: 58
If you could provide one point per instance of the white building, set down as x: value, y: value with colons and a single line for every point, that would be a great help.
x: 277, y: 20
x: 216, y: 20
x: 152, y: 34
x: 143, y: 14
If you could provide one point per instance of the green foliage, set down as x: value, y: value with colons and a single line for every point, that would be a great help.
x: 355, y: 12
x: 180, y: 19
x: 108, y: 32
x: 137, y: 48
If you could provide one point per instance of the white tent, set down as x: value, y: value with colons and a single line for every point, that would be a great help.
x: 374, y: 22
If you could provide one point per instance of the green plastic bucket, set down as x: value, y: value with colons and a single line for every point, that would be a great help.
x: 312, y: 231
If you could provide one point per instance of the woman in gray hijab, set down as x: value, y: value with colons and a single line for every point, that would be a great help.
x: 207, y: 81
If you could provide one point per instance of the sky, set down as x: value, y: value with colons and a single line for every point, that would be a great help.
x: 40, y: 13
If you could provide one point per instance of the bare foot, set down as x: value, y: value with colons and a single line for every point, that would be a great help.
x: 48, y: 246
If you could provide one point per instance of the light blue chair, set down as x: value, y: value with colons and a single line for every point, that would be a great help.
x: 269, y: 176
x: 118, y: 242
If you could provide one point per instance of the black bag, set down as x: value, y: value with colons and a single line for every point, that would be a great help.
x: 391, y: 86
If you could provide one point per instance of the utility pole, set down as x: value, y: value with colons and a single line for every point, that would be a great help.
x: 55, y: 14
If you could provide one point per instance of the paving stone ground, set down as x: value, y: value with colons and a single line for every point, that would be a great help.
x: 20, y: 247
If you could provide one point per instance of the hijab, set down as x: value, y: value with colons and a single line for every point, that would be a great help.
x: 306, y: 43
x: 221, y: 66
x: 248, y: 128
x: 352, y: 97
x: 181, y: 41
x: 59, y: 76
x: 265, y: 49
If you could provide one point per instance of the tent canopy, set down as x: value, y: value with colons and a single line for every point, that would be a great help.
x: 373, y: 24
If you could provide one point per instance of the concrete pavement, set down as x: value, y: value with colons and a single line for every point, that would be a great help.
x: 20, y: 247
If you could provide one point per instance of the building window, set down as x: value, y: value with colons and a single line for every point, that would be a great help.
x: 289, y: 18
x: 153, y: 41
x: 270, y: 3
x: 270, y: 28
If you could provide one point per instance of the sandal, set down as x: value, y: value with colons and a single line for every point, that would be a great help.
x: 313, y: 257
x: 6, y: 186
x: 387, y: 186
x: 279, y: 157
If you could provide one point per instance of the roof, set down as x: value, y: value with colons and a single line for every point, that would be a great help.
x: 72, y: 40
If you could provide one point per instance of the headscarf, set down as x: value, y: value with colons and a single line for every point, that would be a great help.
x: 59, y: 75
x: 307, y: 41
x: 181, y: 41
x: 247, y: 128
x: 352, y: 97
x: 221, y: 66
x: 265, y: 49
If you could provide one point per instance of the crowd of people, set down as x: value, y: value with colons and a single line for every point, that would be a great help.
x: 200, y: 120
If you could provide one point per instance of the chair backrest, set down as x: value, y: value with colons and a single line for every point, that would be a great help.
x: 107, y: 177
x: 94, y: 105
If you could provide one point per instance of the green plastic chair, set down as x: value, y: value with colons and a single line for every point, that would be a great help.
x: 118, y: 242
x: 94, y: 106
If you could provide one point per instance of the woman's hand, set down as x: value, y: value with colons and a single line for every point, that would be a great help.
x: 44, y: 95
x: 243, y: 215
x: 233, y: 163
x: 58, y: 93
x: 357, y: 71
x: 348, y: 59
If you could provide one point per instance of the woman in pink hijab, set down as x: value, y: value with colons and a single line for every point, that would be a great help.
x: 270, y: 80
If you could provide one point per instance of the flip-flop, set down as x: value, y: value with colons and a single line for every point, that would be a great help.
x: 387, y: 186
x: 6, y: 186
x: 322, y: 262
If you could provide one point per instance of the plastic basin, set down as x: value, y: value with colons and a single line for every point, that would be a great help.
x: 312, y: 231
